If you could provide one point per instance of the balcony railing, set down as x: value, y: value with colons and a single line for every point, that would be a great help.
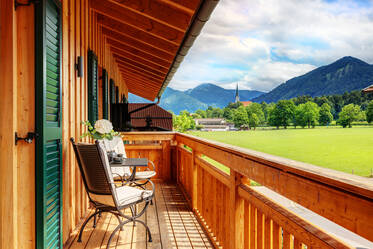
x: 237, y: 215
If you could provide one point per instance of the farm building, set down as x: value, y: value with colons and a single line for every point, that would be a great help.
x: 213, y: 124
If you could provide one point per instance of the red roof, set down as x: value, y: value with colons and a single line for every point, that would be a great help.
x: 368, y: 89
x: 160, y: 118
x: 246, y: 103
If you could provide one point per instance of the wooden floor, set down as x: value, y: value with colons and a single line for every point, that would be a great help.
x: 172, y: 224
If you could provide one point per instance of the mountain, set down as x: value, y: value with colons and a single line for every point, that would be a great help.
x: 199, y: 97
x: 216, y: 96
x: 344, y: 75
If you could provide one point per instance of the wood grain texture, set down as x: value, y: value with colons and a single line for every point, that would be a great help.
x: 328, y: 193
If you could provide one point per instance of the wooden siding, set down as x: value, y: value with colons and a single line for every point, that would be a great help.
x: 17, y: 114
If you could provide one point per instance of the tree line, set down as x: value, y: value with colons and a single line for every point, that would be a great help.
x: 302, y: 111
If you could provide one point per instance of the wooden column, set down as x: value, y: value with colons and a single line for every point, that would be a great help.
x: 236, y: 212
x: 194, y: 180
x: 8, y: 118
x: 166, y: 159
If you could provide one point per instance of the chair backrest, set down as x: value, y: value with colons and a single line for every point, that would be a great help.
x: 95, y: 177
x: 117, y: 145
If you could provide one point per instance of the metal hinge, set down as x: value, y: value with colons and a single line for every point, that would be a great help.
x: 28, y: 139
x: 29, y: 2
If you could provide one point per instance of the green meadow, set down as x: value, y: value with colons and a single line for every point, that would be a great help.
x: 345, y: 149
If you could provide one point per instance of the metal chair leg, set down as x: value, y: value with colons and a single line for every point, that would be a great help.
x: 147, y: 229
x: 116, y: 230
x: 84, y: 224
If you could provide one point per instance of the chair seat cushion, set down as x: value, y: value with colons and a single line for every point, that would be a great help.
x: 126, y: 195
x: 145, y: 174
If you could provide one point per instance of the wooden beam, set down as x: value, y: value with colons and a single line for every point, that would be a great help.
x: 140, y: 67
x: 142, y: 77
x: 133, y: 31
x: 149, y: 84
x: 117, y: 47
x: 145, y: 22
x: 148, y: 136
x: 135, y: 82
x: 123, y: 55
x: 126, y: 69
x: 161, y: 11
x: 139, y: 45
x: 144, y: 94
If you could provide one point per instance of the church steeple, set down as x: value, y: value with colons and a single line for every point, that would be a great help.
x: 237, y: 96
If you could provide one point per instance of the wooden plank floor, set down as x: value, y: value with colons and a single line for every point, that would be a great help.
x: 171, y: 222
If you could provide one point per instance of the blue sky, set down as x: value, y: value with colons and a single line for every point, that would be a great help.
x: 262, y: 43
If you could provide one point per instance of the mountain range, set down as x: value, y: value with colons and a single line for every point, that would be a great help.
x: 344, y: 75
x: 200, y: 97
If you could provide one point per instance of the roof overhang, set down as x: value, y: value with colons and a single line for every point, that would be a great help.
x: 368, y: 89
x: 150, y: 38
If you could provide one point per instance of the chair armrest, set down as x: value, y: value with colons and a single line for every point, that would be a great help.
x: 153, y: 165
x: 121, y: 178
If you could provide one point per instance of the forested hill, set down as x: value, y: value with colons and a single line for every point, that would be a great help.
x: 344, y: 75
x: 200, y: 97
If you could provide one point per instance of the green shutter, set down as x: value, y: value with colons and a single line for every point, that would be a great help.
x: 92, y: 87
x: 112, y: 91
x: 105, y: 96
x: 117, y: 100
x: 48, y: 153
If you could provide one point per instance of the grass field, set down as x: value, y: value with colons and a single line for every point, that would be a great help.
x: 347, y: 150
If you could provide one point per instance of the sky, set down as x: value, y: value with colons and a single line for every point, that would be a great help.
x: 260, y: 44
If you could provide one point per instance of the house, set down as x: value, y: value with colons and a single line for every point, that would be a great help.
x: 64, y: 62
x: 246, y: 103
x: 149, y: 117
x: 368, y: 89
x: 212, y: 124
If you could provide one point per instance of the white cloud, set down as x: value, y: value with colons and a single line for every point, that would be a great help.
x: 262, y: 43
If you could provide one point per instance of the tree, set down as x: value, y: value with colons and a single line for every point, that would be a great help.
x: 240, y: 117
x: 183, y: 122
x: 234, y: 105
x: 201, y: 113
x: 349, y: 114
x: 228, y: 113
x: 326, y: 117
x: 369, y: 112
x: 255, y: 108
x: 298, y: 116
x: 282, y: 113
x: 253, y: 121
x: 217, y: 113
x: 310, y: 113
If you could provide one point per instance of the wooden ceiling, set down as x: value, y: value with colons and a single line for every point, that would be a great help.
x: 144, y: 37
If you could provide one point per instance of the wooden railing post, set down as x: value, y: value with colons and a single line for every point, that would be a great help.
x: 236, y: 212
x: 166, y: 159
x: 194, y: 180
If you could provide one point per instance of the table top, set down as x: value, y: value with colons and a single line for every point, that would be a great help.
x: 131, y: 162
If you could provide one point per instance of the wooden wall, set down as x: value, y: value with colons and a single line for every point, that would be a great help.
x: 17, y: 114
x: 81, y: 33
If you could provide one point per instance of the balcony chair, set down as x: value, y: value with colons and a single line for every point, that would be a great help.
x: 103, y: 193
x: 141, y: 178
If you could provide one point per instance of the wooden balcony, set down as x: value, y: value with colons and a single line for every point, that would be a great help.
x: 170, y: 219
x: 214, y: 181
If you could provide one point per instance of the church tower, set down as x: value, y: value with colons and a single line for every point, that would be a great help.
x: 237, y: 96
